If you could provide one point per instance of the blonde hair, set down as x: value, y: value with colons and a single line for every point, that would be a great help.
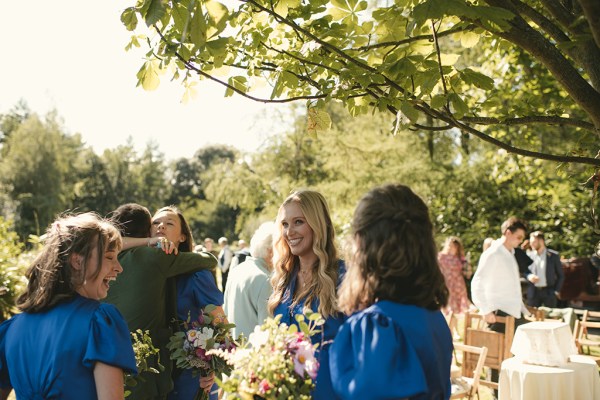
x: 324, y: 277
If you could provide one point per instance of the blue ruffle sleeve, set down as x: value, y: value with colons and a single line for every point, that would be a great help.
x: 371, y: 359
x: 109, y: 340
x: 4, y: 377
x: 206, y: 289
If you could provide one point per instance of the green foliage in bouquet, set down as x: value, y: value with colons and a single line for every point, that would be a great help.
x: 143, y: 350
x: 277, y: 362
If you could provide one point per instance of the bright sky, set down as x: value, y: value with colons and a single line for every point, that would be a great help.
x: 69, y: 55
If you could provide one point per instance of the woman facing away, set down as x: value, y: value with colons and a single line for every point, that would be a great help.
x: 307, y: 272
x: 66, y: 344
x: 397, y: 344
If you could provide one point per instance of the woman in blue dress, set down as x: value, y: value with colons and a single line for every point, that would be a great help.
x: 194, y: 292
x: 66, y: 344
x: 306, y: 272
x: 397, y: 344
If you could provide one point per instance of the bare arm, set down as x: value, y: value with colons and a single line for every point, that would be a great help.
x: 168, y: 247
x: 109, y: 382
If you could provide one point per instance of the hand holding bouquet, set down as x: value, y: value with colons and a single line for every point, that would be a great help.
x: 190, y: 347
x: 277, y: 361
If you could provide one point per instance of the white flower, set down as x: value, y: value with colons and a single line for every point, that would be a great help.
x: 202, y: 337
x: 258, y: 338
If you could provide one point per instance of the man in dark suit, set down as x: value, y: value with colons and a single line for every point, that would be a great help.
x: 545, y: 276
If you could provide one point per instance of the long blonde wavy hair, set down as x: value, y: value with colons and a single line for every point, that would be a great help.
x: 324, y: 277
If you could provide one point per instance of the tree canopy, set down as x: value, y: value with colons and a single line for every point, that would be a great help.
x: 517, y: 74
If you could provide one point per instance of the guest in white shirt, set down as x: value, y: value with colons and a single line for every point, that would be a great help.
x: 248, y: 288
x: 496, y: 288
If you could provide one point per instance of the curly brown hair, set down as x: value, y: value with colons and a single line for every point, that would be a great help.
x: 394, y: 256
x: 52, y: 278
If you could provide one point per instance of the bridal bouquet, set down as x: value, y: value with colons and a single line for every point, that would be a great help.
x: 190, y: 347
x: 277, y: 361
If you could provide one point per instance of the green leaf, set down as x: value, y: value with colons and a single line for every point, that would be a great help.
x: 341, y: 4
x: 469, y: 39
x: 217, y: 12
x: 430, y: 9
x: 148, y: 75
x: 155, y: 11
x: 409, y: 111
x: 198, y: 28
x: 209, y: 308
x: 238, y: 82
x: 318, y: 120
x: 438, y: 101
x: 129, y: 18
x: 283, y: 6
x: 460, y: 107
x: 476, y: 78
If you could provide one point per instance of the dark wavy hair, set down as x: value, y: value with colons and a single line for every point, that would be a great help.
x: 394, y: 255
x: 52, y: 278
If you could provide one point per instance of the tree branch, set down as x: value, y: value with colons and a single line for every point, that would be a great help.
x: 591, y: 9
x: 566, y: 75
x: 418, y: 38
x: 529, y: 120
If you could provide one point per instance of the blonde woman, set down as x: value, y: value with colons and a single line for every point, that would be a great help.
x: 307, y: 271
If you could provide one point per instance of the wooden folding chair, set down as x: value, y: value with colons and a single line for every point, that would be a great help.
x: 467, y: 385
x: 584, y: 341
x: 498, y: 344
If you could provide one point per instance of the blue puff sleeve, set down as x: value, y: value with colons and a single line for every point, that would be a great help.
x: 370, y: 358
x: 109, y: 340
x: 207, y: 291
x: 4, y: 377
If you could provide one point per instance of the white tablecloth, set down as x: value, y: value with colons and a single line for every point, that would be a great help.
x: 576, y: 380
x: 547, y: 343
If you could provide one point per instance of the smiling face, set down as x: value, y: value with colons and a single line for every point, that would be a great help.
x: 97, y: 287
x: 167, y: 224
x: 295, y: 230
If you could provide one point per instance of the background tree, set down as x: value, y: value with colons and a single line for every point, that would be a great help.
x: 39, y: 171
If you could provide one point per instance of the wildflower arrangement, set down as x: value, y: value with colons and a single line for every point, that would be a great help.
x: 143, y: 350
x: 190, y: 347
x: 277, y: 362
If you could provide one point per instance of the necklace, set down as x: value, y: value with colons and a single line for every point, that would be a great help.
x: 304, y: 275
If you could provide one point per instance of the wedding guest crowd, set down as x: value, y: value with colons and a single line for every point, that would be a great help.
x: 382, y: 318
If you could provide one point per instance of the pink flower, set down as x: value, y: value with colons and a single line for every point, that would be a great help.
x: 264, y: 386
x: 201, y: 354
x: 304, y: 359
